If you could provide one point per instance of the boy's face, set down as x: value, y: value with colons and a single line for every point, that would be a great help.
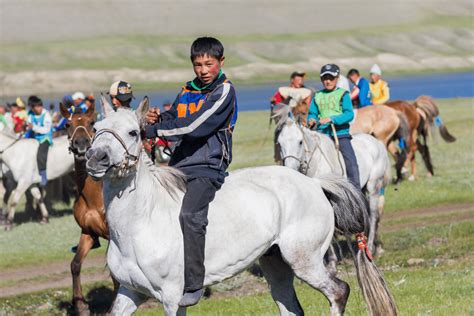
x: 329, y: 82
x: 353, y: 78
x: 297, y: 82
x: 207, y: 68
x: 37, y: 109
x: 374, y: 77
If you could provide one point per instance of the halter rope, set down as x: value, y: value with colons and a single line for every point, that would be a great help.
x: 130, y: 161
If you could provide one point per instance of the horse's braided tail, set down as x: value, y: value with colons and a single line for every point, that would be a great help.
x: 351, y: 214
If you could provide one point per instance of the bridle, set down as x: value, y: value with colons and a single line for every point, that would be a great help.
x: 130, y: 161
x: 71, y: 139
x: 308, y: 154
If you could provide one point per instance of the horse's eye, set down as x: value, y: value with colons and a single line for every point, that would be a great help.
x: 133, y: 133
x: 92, y: 123
x: 67, y: 125
x: 301, y: 142
x: 94, y: 130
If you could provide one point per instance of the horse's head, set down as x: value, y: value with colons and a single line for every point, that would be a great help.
x: 80, y: 129
x: 117, y: 144
x: 291, y: 139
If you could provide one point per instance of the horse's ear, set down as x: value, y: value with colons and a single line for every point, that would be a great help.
x: 142, y: 110
x: 64, y: 111
x: 91, y: 109
x: 106, y: 107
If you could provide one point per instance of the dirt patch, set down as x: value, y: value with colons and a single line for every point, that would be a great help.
x: 435, y: 210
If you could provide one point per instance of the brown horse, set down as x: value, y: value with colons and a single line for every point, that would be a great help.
x: 387, y: 125
x: 89, y: 210
x: 416, y: 123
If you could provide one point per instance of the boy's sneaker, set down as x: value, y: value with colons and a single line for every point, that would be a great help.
x: 44, y: 178
x: 191, y: 298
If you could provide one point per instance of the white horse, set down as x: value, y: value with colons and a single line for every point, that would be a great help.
x: 271, y: 213
x: 19, y: 155
x: 315, y: 154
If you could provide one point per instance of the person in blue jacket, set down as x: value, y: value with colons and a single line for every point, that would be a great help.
x: 360, y: 94
x: 333, y: 106
x: 201, y: 120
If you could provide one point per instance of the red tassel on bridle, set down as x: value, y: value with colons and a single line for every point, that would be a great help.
x: 362, y: 245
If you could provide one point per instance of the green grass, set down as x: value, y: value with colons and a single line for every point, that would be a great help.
x: 437, y: 287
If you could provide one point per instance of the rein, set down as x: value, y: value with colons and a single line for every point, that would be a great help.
x: 130, y: 161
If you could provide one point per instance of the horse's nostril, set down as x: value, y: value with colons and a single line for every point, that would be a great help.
x: 103, y: 157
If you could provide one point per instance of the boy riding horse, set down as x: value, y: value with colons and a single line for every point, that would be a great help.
x: 333, y: 106
x: 39, y: 127
x: 201, y: 120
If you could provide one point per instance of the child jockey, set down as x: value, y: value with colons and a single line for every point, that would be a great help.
x: 39, y: 127
x: 202, y: 120
x: 333, y: 106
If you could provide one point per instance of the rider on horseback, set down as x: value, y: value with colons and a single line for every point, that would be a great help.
x: 378, y: 87
x: 201, y: 120
x: 120, y: 93
x: 40, y: 128
x: 331, y: 110
x: 360, y: 94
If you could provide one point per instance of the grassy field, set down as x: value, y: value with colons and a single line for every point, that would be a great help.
x: 440, y: 284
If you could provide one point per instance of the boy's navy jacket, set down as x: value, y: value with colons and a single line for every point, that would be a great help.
x: 201, y: 122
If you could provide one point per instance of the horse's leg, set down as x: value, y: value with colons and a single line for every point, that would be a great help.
x: 411, y: 155
x: 127, y: 302
x: 315, y: 274
x: 332, y: 259
x: 13, y: 202
x: 373, y: 189
x: 280, y: 280
x: 399, y: 160
x: 85, y: 244
x: 36, y: 193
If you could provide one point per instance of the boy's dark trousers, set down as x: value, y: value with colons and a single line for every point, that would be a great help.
x: 193, y: 219
x: 42, y: 156
x: 352, y: 168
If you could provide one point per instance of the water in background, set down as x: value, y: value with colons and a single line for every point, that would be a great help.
x: 256, y: 97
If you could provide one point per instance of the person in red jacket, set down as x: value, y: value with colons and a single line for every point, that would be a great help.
x: 296, y: 81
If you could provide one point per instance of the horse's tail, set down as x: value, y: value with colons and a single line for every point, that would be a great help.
x: 352, y: 217
x: 427, y: 105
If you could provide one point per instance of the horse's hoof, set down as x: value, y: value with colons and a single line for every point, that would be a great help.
x: 411, y: 178
x: 8, y: 227
x: 429, y: 174
x: 44, y: 221
x: 404, y: 170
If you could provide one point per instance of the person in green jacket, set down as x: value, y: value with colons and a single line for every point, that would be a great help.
x: 330, y: 106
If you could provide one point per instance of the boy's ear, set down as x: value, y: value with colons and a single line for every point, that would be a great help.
x: 222, y: 61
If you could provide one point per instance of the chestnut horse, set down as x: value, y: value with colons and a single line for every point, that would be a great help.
x: 416, y: 122
x: 89, y: 205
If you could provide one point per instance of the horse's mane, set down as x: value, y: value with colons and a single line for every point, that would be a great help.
x: 171, y: 179
x: 281, y: 113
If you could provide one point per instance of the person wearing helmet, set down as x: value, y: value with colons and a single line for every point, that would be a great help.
x: 333, y: 106
x: 40, y: 128
x: 120, y: 93
x: 378, y: 88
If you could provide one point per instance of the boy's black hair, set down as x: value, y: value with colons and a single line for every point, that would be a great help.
x: 34, y: 100
x: 207, y: 46
x: 353, y: 72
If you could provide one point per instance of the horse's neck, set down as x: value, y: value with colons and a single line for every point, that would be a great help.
x: 323, y: 153
x: 133, y: 199
x: 81, y: 173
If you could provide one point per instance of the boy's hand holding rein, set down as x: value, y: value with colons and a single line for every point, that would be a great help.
x: 152, y: 116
